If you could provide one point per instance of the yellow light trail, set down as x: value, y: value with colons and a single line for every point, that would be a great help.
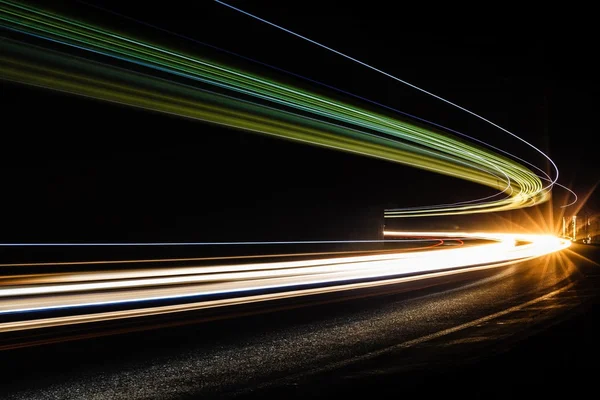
x: 79, y: 292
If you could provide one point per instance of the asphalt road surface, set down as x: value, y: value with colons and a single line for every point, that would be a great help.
x: 525, y: 329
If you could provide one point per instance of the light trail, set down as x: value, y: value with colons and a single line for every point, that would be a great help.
x: 206, y: 91
x: 401, y: 212
x: 196, y: 287
x: 545, y: 176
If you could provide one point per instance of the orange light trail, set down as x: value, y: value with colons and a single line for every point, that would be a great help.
x: 195, y: 287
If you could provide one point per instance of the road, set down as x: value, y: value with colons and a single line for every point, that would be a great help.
x: 397, y: 337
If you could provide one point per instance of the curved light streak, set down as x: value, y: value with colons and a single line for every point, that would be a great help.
x: 552, y: 181
x: 267, y: 106
x: 545, y: 177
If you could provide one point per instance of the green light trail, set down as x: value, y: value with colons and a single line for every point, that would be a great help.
x: 163, y: 80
